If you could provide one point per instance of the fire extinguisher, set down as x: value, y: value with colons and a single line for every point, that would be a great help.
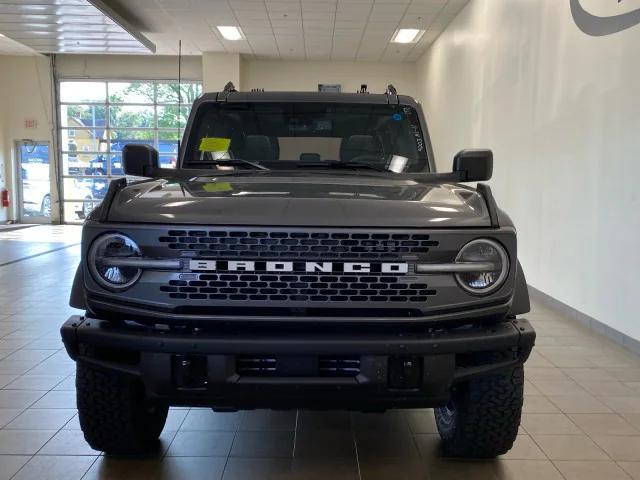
x: 5, y: 198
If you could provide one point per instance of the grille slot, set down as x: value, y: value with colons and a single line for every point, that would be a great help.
x: 311, y: 366
x: 338, y: 366
x: 291, y: 287
x: 223, y: 244
x: 256, y: 366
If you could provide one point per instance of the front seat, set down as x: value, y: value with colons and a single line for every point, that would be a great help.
x: 357, y: 145
x: 257, y: 148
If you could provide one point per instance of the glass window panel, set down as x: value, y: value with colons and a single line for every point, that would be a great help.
x: 115, y: 164
x: 169, y: 92
x: 94, y: 131
x: 77, y: 211
x: 131, y: 116
x: 173, y: 136
x: 168, y: 143
x: 79, y: 141
x: 81, y: 195
x: 83, y: 116
x: 131, y: 92
x: 74, y: 164
x: 119, y: 138
x: 82, y: 92
x: 168, y: 161
x: 170, y: 116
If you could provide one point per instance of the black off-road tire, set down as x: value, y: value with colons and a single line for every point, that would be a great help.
x: 483, y: 416
x: 115, y: 415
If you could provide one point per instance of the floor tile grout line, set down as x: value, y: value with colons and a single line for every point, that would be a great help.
x: 35, y: 255
x: 553, y: 462
x: 90, y: 467
x: 31, y: 405
x: 226, y: 460
x: 295, y: 435
x: 355, y: 447
x: 173, y: 439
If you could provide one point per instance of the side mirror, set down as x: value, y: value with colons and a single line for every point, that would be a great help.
x: 474, y: 165
x: 139, y: 160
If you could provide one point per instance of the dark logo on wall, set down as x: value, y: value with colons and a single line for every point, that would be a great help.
x: 598, y: 26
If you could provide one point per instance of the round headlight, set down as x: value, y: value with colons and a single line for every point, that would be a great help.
x: 495, y: 266
x: 104, y: 251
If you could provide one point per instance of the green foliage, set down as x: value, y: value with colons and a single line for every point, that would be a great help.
x: 169, y: 116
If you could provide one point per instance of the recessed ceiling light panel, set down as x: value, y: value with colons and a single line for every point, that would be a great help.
x: 407, y: 35
x: 230, y: 32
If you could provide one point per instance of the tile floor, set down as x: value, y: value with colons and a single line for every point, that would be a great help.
x: 581, y: 420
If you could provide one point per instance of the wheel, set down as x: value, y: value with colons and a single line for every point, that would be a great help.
x: 45, y: 206
x: 483, y: 415
x: 115, y: 414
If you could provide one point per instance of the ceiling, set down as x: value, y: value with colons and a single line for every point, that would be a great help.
x: 274, y: 29
x: 291, y: 29
x: 67, y: 26
x: 11, y: 47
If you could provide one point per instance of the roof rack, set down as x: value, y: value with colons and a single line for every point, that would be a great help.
x: 228, y: 88
x: 392, y: 92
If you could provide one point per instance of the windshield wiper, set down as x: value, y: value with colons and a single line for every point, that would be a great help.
x: 346, y: 165
x: 234, y: 162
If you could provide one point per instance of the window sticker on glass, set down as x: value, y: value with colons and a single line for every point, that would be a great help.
x: 212, y: 187
x: 214, y: 144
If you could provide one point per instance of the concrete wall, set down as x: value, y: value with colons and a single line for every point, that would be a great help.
x: 25, y: 94
x: 560, y: 110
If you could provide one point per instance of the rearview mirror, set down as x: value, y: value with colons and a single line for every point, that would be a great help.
x: 139, y: 160
x: 474, y: 165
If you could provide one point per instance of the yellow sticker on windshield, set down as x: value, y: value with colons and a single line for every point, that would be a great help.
x: 214, y: 144
x: 217, y: 187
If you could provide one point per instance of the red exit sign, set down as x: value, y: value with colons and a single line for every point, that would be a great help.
x: 30, y: 123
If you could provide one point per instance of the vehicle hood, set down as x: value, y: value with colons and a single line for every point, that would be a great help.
x: 309, y: 200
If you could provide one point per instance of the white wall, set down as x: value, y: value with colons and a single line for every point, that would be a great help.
x: 218, y: 69
x: 25, y: 94
x: 153, y: 67
x: 306, y: 75
x: 561, y: 111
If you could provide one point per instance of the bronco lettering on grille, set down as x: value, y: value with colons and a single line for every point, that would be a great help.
x: 310, y: 267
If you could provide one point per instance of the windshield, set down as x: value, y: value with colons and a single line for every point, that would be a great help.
x: 294, y: 135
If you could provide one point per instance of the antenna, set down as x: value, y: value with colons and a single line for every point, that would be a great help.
x: 179, y: 74
x: 179, y: 89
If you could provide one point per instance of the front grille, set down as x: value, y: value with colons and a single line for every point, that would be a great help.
x: 306, y: 366
x: 224, y: 287
x: 259, y: 244
x: 299, y: 288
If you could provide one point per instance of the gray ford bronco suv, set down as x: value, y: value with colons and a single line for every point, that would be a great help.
x: 304, y: 253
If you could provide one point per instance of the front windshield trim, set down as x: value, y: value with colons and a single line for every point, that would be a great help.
x: 419, y: 162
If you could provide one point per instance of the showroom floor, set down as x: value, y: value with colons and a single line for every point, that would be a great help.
x: 581, y: 421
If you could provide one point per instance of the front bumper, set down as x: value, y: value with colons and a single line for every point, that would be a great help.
x: 412, y: 368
